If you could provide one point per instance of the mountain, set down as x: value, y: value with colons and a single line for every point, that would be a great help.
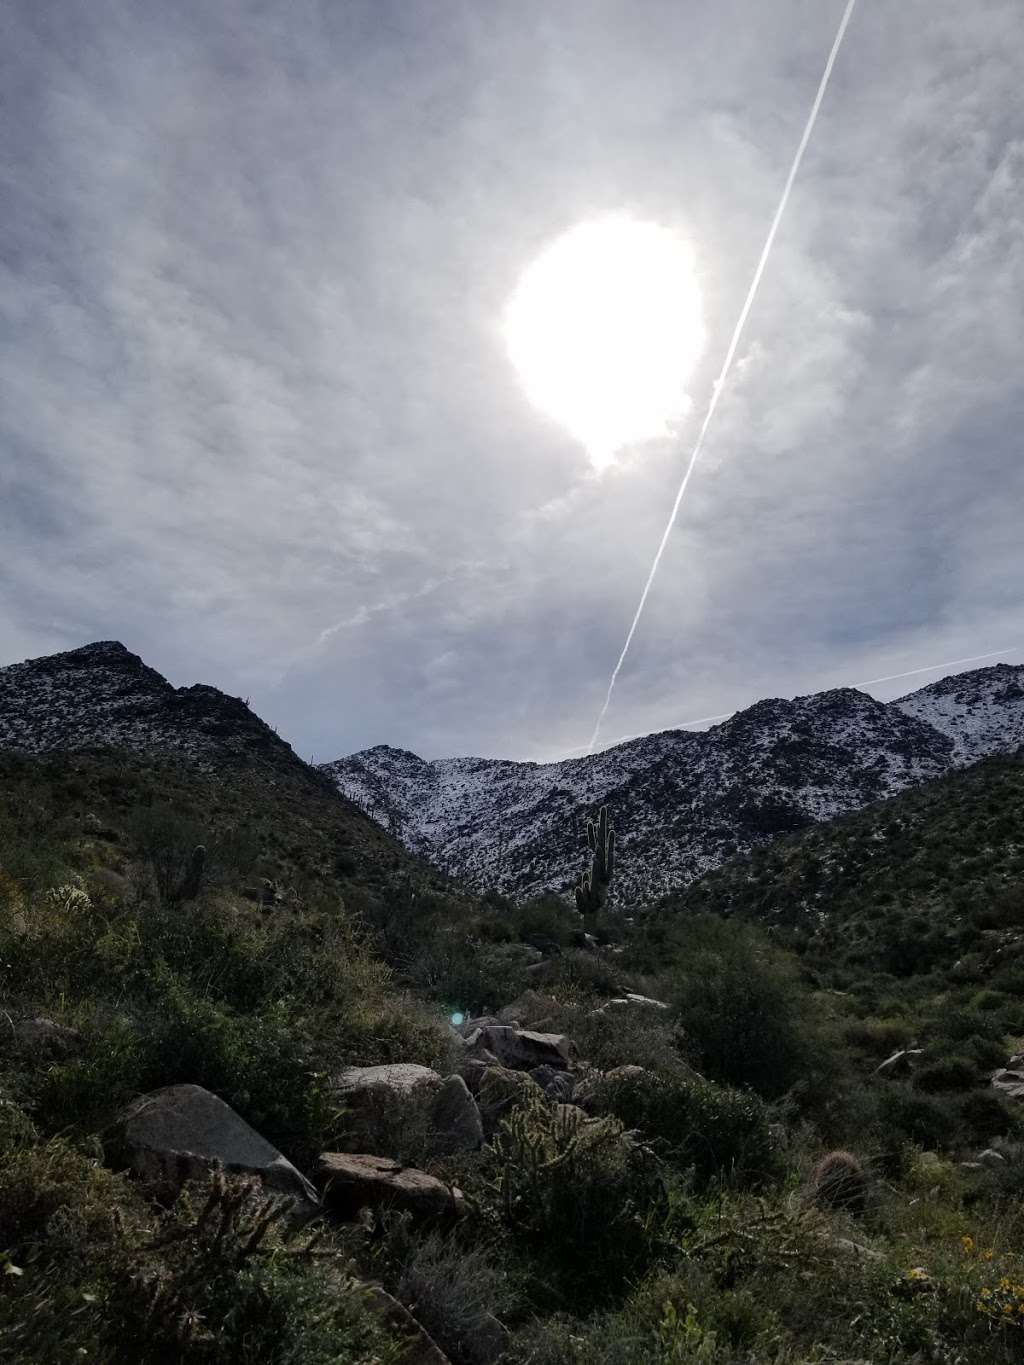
x: 683, y: 802
x: 100, y: 717
x: 103, y: 696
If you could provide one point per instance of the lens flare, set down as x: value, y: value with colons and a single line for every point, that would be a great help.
x: 604, y: 329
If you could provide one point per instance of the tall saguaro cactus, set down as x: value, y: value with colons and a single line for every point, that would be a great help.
x: 592, y: 887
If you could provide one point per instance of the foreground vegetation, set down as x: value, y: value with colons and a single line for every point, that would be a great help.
x: 692, y: 1221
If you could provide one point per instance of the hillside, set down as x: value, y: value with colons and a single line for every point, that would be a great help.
x: 683, y: 802
x: 621, y: 1157
x: 930, y: 881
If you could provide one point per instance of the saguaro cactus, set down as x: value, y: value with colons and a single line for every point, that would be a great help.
x: 592, y: 887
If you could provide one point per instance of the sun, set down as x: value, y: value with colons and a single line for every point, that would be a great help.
x: 604, y: 329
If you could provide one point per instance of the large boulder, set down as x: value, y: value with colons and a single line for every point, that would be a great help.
x: 182, y: 1132
x: 412, y: 1097
x: 354, y: 1181
x: 1009, y: 1081
x: 526, y: 1049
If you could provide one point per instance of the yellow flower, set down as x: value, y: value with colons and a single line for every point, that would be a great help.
x: 987, y: 1254
x: 968, y: 1245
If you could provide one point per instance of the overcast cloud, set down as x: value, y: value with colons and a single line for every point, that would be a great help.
x: 257, y: 422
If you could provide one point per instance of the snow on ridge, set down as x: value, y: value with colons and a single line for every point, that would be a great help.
x: 683, y: 801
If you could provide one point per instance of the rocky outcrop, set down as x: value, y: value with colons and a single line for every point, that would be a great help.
x: 182, y: 1132
x: 351, y: 1182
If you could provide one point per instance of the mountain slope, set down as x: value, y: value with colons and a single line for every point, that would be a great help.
x: 683, y: 802
x: 118, y: 716
x: 929, y: 879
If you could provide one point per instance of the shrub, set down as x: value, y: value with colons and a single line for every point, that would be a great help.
x: 720, y: 1132
x: 581, y: 1194
x: 949, y: 1073
x: 748, y: 1019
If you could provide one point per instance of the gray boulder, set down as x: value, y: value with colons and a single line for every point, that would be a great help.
x: 181, y: 1132
x: 525, y: 1049
x: 1009, y: 1081
x: 377, y: 1097
x: 351, y: 1182
x: 557, y: 1085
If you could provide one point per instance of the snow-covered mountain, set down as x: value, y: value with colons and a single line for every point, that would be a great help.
x: 683, y: 802
x: 103, y: 696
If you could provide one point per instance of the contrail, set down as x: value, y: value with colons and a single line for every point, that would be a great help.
x: 868, y: 682
x: 716, y: 391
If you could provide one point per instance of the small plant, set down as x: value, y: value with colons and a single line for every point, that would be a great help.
x: 839, y: 1182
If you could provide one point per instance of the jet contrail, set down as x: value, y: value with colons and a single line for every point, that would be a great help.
x: 868, y: 682
x: 729, y: 355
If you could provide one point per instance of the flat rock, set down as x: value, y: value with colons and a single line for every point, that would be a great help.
x: 180, y: 1132
x: 632, y: 1001
x: 401, y: 1077
x: 351, y: 1182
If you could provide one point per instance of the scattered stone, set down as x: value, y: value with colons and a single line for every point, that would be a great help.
x: 179, y: 1133
x: 900, y: 1062
x: 351, y: 1182
x: 851, y: 1248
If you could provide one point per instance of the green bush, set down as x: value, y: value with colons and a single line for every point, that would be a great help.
x: 947, y: 1073
x: 581, y: 1195
x: 721, y: 1133
x: 745, y: 1014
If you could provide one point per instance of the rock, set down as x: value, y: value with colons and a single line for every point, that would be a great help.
x: 632, y: 1001
x: 851, y: 1248
x: 420, y: 1347
x: 589, y: 1086
x: 411, y: 1094
x: 899, y: 1063
x: 990, y: 1157
x: 457, y: 1118
x: 526, y: 1049
x: 1009, y: 1081
x: 530, y: 1007
x: 557, y: 1085
x: 351, y: 1182
x: 44, y: 1039
x: 180, y: 1132
x: 500, y: 1090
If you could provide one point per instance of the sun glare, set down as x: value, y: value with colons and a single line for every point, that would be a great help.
x: 604, y: 329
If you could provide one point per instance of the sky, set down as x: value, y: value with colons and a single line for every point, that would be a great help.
x: 258, y: 422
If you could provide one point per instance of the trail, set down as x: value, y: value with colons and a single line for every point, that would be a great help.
x: 719, y: 384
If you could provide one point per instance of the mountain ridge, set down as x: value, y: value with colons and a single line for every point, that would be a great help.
x: 684, y: 801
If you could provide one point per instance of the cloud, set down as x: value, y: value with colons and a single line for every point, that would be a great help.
x: 258, y: 421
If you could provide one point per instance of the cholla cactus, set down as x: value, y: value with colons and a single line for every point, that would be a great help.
x: 592, y: 887
x: 839, y: 1182
x: 69, y: 898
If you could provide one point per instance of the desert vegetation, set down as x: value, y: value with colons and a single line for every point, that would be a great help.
x: 724, y: 1164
